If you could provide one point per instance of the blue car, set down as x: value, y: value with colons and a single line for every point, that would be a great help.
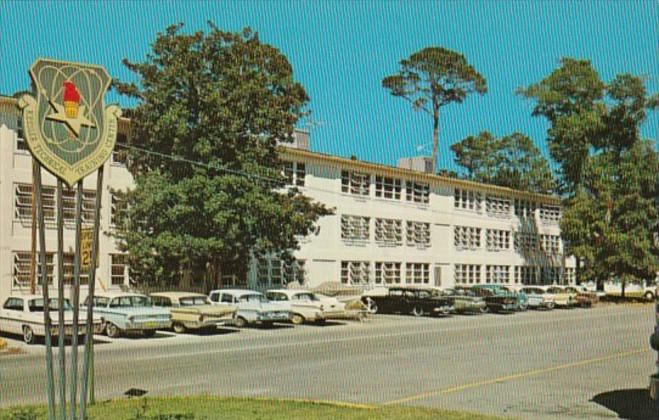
x: 130, y: 313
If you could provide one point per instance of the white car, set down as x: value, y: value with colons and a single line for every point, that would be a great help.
x: 253, y: 307
x: 308, y: 306
x: 24, y: 315
x: 539, y: 298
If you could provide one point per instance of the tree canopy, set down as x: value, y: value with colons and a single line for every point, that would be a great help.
x: 510, y: 161
x: 432, y: 78
x: 209, y: 189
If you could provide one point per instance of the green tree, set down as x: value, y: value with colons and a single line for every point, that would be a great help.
x: 511, y: 161
x: 432, y: 78
x: 609, y: 174
x: 212, y: 106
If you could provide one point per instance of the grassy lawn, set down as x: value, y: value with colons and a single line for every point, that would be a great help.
x: 205, y: 407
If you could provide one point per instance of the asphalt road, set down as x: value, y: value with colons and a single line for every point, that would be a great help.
x: 561, y: 364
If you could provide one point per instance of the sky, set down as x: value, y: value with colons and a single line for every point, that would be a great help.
x: 341, y: 51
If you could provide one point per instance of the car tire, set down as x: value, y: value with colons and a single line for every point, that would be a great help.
x: 297, y: 319
x: 417, y: 311
x: 112, y: 330
x: 523, y: 306
x: 28, y: 335
x: 179, y: 328
x: 484, y: 310
x: 148, y: 333
x: 240, y: 322
x: 551, y: 306
x: 649, y: 296
x: 371, y: 306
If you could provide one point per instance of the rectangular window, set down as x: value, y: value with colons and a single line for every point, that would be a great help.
x: 525, y: 275
x: 466, y: 237
x: 21, y: 144
x: 467, y: 273
x: 355, y: 272
x: 389, y: 231
x: 550, y: 214
x: 119, y: 270
x: 389, y: 188
x: 23, y: 202
x: 69, y: 205
x: 417, y: 234
x: 417, y: 192
x: 524, y: 208
x: 21, y: 268
x: 467, y: 200
x: 68, y: 263
x: 387, y: 272
x: 497, y: 274
x: 417, y: 273
x: 295, y: 172
x: 262, y: 271
x: 355, y: 227
x: 277, y: 272
x: 497, y: 206
x: 525, y: 242
x: 550, y: 275
x: 118, y: 208
x: 497, y: 240
x: 120, y: 153
x: 551, y: 244
x: 357, y: 183
x: 569, y: 276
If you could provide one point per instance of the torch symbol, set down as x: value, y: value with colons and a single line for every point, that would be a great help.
x: 71, y: 100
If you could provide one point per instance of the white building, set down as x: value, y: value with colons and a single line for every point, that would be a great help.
x: 391, y: 225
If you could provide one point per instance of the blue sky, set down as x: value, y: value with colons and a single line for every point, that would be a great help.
x: 340, y: 51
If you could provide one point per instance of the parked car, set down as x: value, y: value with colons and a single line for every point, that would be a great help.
x: 409, y: 300
x: 193, y: 311
x: 645, y: 289
x: 584, y: 297
x: 253, y: 307
x: 308, y: 306
x: 23, y: 315
x: 562, y: 297
x: 465, y: 300
x: 496, y: 299
x: 125, y: 312
x: 539, y: 298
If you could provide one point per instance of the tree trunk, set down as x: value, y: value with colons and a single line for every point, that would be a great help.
x: 577, y: 271
x: 435, y: 139
x: 623, y: 283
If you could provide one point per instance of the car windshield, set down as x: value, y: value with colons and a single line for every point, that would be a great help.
x: 305, y: 296
x: 130, y: 302
x: 36, y: 305
x: 194, y: 300
x: 256, y: 298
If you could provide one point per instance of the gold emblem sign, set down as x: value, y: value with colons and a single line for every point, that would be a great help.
x: 66, y: 124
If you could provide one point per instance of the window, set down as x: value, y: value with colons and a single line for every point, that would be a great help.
x: 119, y: 270
x: 21, y: 268
x: 525, y: 275
x: 387, y: 187
x: 525, y: 241
x: 466, y: 237
x: 227, y: 298
x: 14, y: 304
x: 569, y: 276
x: 551, y: 244
x: 161, y: 301
x: 497, y: 206
x: 418, y: 234
x: 524, y: 208
x: 120, y: 153
x: 23, y: 202
x: 497, y: 240
x: 387, y: 272
x: 355, y: 227
x: 68, y: 263
x: 417, y: 273
x: 295, y: 172
x: 118, y: 208
x: 497, y: 274
x: 69, y: 205
x: 417, y: 192
x: 467, y: 273
x: 21, y: 144
x: 467, y: 200
x: 550, y: 214
x: 389, y: 231
x: 275, y: 271
x: 551, y: 275
x: 357, y: 183
x: 355, y: 272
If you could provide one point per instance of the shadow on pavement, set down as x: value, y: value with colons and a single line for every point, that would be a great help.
x: 632, y: 404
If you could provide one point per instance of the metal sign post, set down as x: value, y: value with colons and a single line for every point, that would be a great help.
x: 71, y: 133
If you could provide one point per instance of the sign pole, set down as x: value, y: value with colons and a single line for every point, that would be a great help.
x: 33, y: 258
x: 60, y: 297
x: 87, y: 376
x: 50, y: 382
x: 76, y: 305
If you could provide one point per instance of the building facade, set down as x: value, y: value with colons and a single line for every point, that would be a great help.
x: 392, y: 225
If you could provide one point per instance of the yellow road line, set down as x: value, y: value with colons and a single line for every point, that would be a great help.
x: 343, y: 404
x: 515, y: 376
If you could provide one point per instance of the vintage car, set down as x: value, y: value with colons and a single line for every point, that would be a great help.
x: 522, y: 299
x: 409, y: 300
x: 654, y: 344
x: 253, y: 307
x: 584, y: 297
x: 496, y: 299
x: 124, y: 312
x: 465, y: 300
x: 562, y: 297
x: 308, y: 306
x: 24, y: 315
x: 538, y: 298
x: 193, y: 311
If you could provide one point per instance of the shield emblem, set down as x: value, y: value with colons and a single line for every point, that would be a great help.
x: 66, y: 124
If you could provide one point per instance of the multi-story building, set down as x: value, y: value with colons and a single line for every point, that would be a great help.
x: 392, y: 225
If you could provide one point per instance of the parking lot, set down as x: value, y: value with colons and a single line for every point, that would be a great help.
x: 558, y: 364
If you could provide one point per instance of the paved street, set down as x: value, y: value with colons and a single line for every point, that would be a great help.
x: 561, y: 364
